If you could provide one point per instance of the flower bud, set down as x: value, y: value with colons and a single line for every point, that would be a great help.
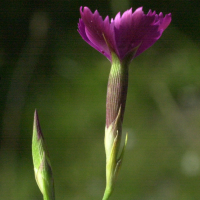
x: 41, y: 162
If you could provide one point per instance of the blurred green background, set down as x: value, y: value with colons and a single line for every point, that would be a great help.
x: 45, y: 64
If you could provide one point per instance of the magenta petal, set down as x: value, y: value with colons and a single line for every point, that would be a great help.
x: 165, y: 22
x: 91, y: 28
x: 82, y: 32
x: 124, y: 33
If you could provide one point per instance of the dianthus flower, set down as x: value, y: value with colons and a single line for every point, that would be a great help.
x: 124, y: 33
x: 120, y: 39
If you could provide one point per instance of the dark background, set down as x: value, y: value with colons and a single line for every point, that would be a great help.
x: 45, y: 64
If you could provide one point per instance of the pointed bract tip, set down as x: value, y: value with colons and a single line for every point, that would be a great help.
x: 37, y: 125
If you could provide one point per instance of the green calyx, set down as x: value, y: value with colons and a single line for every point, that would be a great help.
x: 116, y: 90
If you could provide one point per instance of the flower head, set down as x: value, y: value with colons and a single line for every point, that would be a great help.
x: 123, y: 34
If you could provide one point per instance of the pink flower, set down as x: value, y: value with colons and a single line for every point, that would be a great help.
x: 124, y: 33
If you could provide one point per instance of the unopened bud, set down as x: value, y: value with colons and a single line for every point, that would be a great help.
x: 41, y: 162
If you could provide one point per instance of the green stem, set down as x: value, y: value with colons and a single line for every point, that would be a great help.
x: 49, y: 196
x: 107, y: 193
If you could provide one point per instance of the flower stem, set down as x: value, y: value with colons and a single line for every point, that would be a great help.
x: 115, y: 107
x: 107, y: 194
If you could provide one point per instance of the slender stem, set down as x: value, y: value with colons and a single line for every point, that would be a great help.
x: 107, y: 194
